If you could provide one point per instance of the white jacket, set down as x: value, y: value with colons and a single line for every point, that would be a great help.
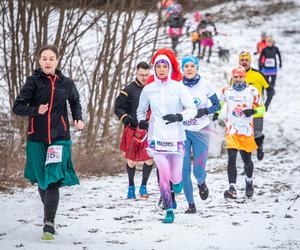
x: 168, y: 97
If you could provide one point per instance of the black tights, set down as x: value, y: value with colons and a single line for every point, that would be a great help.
x: 50, y: 199
x: 270, y: 90
x: 231, y: 168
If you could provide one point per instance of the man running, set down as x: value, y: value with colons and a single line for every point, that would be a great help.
x: 133, y: 141
x: 256, y: 79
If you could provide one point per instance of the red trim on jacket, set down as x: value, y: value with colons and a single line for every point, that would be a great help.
x: 31, y: 126
x: 64, y: 123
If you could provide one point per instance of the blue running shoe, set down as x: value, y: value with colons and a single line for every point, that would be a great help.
x: 131, y: 192
x: 169, y: 216
x: 177, y: 188
x: 143, y: 191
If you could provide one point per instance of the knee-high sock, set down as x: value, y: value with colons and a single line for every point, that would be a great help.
x: 130, y: 172
x: 146, y: 173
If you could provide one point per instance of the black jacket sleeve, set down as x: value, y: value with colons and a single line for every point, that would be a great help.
x: 279, y: 56
x: 122, y: 104
x: 75, y: 105
x: 22, y: 103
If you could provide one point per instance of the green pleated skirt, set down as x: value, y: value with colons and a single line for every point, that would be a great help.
x: 61, y: 172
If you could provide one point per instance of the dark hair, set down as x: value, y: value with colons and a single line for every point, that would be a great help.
x: 207, y: 14
x: 51, y: 47
x: 142, y: 65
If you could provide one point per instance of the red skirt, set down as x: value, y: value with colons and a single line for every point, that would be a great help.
x: 133, y: 146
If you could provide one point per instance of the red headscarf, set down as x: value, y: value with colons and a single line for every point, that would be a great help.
x: 176, y: 74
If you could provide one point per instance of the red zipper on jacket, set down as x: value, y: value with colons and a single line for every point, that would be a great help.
x: 64, y: 123
x: 50, y: 106
x: 31, y: 126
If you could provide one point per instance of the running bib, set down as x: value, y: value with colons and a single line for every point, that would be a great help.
x: 190, y: 122
x: 166, y: 146
x: 54, y: 154
x: 175, y: 31
x: 270, y: 62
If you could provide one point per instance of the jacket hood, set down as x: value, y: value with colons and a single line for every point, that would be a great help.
x: 176, y: 75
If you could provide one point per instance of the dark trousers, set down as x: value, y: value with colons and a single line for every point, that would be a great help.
x: 270, y: 90
x: 50, y: 199
x: 231, y: 167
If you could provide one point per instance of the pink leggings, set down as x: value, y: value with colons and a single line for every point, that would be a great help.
x: 170, y: 169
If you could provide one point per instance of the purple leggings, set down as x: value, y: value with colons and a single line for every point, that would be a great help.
x: 170, y: 169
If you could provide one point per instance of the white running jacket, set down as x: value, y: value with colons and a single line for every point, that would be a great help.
x: 165, y: 97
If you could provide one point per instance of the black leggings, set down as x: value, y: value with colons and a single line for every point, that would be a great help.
x: 197, y: 43
x: 270, y: 90
x: 231, y: 168
x: 50, y: 199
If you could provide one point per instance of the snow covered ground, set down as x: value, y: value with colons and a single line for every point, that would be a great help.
x: 97, y: 215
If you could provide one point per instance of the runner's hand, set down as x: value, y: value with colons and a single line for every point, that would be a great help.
x: 249, y: 112
x: 215, y: 116
x: 144, y: 124
x: 78, y: 124
x: 201, y: 112
x: 173, y: 118
x: 43, y: 108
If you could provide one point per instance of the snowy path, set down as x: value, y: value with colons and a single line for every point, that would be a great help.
x: 97, y: 215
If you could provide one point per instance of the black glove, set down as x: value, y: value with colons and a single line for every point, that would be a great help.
x: 130, y: 121
x: 144, y: 124
x: 215, y: 116
x: 201, y: 112
x: 249, y: 112
x: 280, y: 65
x: 173, y: 118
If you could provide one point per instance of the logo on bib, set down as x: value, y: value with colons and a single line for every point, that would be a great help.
x: 197, y: 101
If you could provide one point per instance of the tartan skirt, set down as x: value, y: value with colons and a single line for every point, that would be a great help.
x: 132, y: 145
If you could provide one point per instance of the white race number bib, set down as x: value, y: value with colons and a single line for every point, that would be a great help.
x: 54, y: 154
x: 270, y: 62
x: 166, y: 146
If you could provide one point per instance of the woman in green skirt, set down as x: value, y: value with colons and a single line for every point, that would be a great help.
x: 43, y: 99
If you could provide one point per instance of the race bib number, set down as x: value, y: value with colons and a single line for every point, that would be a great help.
x: 270, y: 62
x: 54, y: 154
x: 190, y: 122
x: 166, y: 146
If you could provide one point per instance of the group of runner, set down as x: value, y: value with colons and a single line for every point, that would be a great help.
x: 200, y: 29
x: 166, y: 119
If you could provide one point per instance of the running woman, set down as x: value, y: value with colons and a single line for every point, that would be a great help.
x: 132, y: 143
x: 243, y: 101
x: 268, y: 65
x: 170, y: 104
x: 197, y: 130
x: 43, y: 99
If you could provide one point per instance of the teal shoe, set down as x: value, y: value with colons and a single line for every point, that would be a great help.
x: 131, y: 192
x: 177, y: 188
x: 169, y: 216
x: 143, y: 191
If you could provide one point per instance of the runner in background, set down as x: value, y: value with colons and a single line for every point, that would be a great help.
x: 197, y: 130
x: 256, y: 79
x: 269, y: 66
x: 207, y: 29
x: 132, y: 143
x: 243, y: 101
x: 193, y: 32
